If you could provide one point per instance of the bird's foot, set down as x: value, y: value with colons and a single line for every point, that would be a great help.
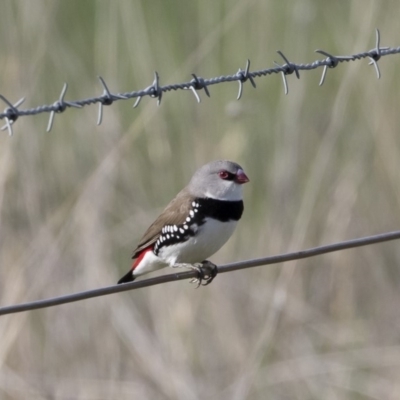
x: 206, y: 271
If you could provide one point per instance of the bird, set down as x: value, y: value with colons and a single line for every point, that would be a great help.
x: 195, y: 224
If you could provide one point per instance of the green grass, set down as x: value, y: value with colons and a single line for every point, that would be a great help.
x: 324, y: 166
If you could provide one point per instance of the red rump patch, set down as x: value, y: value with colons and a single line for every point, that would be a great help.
x: 140, y: 257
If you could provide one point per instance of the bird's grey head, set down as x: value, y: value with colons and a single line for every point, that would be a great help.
x: 220, y: 180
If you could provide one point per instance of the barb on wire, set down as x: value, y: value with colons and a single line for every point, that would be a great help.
x: 316, y: 251
x: 106, y: 99
x: 11, y: 114
x: 244, y: 76
x: 331, y: 62
x: 195, y: 94
x: 60, y: 106
x: 287, y: 69
x: 197, y: 83
x: 155, y: 90
x: 375, y: 57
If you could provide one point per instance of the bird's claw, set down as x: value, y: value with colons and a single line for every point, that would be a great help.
x: 206, y: 271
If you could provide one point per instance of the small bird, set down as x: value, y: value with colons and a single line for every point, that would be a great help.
x: 195, y: 224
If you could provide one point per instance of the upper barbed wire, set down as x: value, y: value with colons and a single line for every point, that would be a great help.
x: 155, y: 90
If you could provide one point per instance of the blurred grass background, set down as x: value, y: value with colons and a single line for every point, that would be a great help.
x: 324, y: 167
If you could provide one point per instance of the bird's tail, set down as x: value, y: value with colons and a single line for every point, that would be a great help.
x: 127, y: 278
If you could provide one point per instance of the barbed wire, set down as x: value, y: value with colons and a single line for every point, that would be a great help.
x: 34, y: 305
x: 155, y: 90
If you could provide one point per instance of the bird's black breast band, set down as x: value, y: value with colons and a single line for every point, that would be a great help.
x: 221, y: 210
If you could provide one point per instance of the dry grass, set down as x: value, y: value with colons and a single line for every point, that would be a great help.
x: 324, y: 166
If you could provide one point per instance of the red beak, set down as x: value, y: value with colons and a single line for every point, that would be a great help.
x: 241, y: 177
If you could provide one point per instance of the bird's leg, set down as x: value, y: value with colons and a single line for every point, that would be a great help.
x: 206, y: 271
x: 197, y: 267
x: 200, y: 274
x: 182, y: 265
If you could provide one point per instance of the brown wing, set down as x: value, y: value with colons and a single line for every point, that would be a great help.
x: 174, y: 214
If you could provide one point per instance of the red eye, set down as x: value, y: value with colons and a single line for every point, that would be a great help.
x: 223, y: 174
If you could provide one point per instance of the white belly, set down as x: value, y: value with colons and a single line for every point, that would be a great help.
x: 209, y: 238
